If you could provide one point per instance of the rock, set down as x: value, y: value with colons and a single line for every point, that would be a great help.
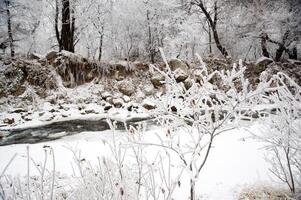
x: 53, y: 110
x: 263, y: 62
x: 107, y: 107
x: 140, y: 96
x: 118, y: 102
x: 174, y: 109
x: 7, y: 61
x: 178, y: 64
x: 36, y: 56
x: 157, y: 79
x: 52, y: 55
x: 126, y: 88
x: 90, y: 111
x: 121, y: 69
x: 105, y: 95
x: 126, y: 99
x: 46, y: 117
x: 9, y: 121
x: 149, y: 105
x: 19, y: 110
x: 180, y: 75
x: 132, y: 107
x: 197, y: 75
x: 141, y: 66
x: 149, y: 90
x: 109, y: 100
x: 188, y: 83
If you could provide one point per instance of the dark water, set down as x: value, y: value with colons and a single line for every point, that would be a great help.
x: 50, y: 131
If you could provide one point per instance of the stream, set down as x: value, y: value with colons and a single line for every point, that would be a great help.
x: 59, y: 129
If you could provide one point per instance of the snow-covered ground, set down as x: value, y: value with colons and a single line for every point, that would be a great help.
x: 236, y: 160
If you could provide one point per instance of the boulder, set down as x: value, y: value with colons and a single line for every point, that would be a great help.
x: 9, y: 121
x: 105, y: 95
x: 157, y: 79
x: 51, y: 55
x: 149, y: 105
x: 126, y: 99
x: 149, y: 90
x: 109, y: 100
x: 263, y: 62
x: 107, y: 107
x: 126, y: 88
x: 180, y: 75
x: 178, y: 64
x: 36, y: 56
x: 118, y: 102
x: 188, y: 83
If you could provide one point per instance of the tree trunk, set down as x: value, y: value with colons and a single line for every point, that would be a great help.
x: 209, y: 37
x: 71, y: 39
x: 293, y: 53
x: 150, y: 39
x: 279, y: 52
x: 282, y: 46
x: 264, y: 49
x: 213, y: 25
x: 100, y: 47
x: 56, y: 25
x: 192, y: 189
x: 9, y: 29
x: 67, y: 32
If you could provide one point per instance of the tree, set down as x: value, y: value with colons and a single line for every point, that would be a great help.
x: 65, y: 37
x: 9, y: 28
x: 282, y: 136
x: 212, y: 21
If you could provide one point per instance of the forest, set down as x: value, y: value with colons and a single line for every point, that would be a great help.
x: 134, y: 30
x: 150, y: 99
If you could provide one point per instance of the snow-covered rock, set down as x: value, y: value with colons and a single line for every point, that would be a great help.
x: 126, y: 88
x: 264, y: 61
x: 118, y: 102
x: 149, y: 90
x: 36, y: 56
x: 180, y: 75
x: 148, y: 104
x: 188, y: 83
x: 157, y: 79
x: 126, y: 99
x: 178, y: 64
x: 106, y: 94
x: 51, y: 55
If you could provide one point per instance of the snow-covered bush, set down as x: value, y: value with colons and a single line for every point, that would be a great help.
x: 282, y: 133
x: 87, y: 182
x: 191, y: 120
x: 194, y: 117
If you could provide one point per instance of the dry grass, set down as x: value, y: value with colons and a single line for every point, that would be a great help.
x: 262, y: 192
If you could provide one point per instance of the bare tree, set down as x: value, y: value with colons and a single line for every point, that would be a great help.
x: 65, y: 37
x: 9, y: 28
x: 212, y: 21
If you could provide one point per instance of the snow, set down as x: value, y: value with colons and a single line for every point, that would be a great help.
x: 264, y: 60
x: 236, y: 159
